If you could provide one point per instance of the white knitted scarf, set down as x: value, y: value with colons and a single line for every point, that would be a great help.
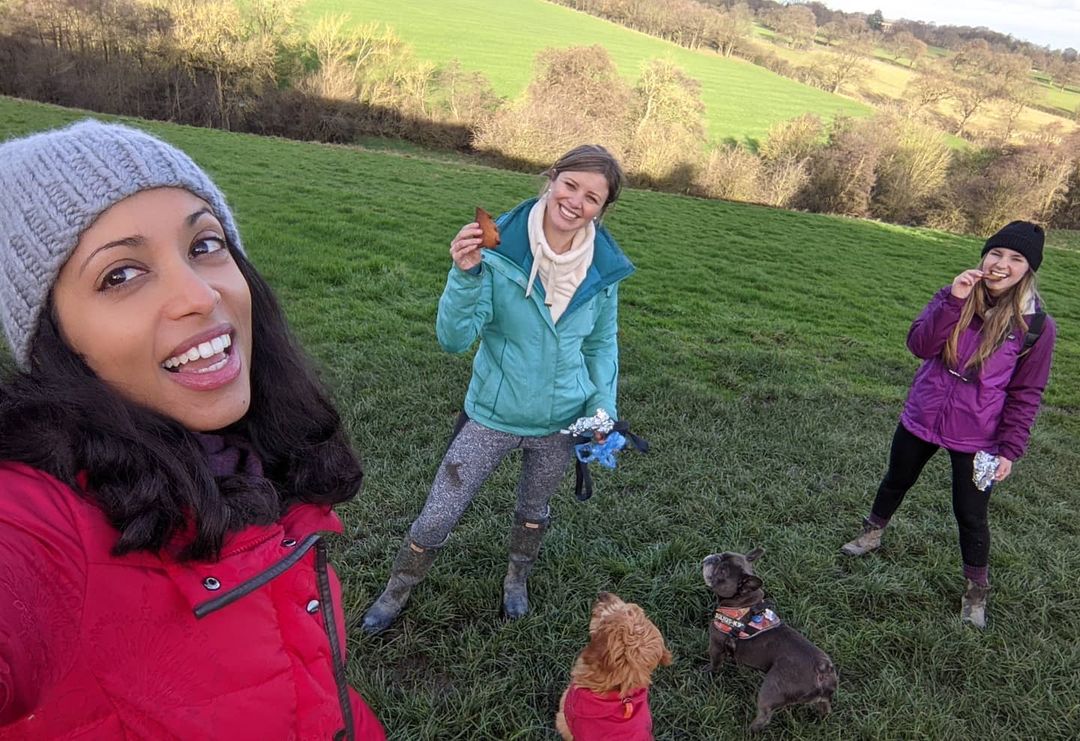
x: 560, y: 274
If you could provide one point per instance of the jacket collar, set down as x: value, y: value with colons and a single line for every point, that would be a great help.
x: 514, y: 258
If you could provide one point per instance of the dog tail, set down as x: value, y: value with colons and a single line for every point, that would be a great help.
x: 825, y: 675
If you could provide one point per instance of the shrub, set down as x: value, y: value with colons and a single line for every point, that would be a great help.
x: 913, y: 166
x: 842, y: 173
x: 794, y: 139
x: 576, y: 96
x: 668, y: 126
x: 731, y: 173
x: 780, y: 182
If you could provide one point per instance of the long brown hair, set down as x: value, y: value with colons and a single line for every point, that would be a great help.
x: 999, y: 315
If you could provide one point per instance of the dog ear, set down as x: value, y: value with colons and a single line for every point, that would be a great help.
x: 755, y: 554
x: 749, y: 583
x: 666, y: 659
x: 595, y: 654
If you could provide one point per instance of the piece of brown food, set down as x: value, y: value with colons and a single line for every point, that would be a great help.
x: 491, y: 232
x: 991, y: 276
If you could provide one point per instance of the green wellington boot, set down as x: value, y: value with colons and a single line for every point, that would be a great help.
x: 524, y: 546
x: 410, y: 567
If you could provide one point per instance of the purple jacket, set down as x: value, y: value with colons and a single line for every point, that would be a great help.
x: 992, y: 409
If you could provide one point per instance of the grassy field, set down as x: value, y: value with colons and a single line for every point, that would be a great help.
x: 1066, y: 239
x: 887, y: 80
x: 763, y: 356
x: 501, y: 39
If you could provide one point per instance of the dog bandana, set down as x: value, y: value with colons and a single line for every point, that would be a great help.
x: 745, y: 622
x: 608, y: 715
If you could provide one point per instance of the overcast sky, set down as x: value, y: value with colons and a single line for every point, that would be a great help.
x: 1053, y: 23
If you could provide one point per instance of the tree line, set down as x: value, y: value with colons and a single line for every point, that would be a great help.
x: 249, y: 66
x: 967, y: 79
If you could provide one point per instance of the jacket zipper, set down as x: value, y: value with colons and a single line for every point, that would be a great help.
x: 330, y: 625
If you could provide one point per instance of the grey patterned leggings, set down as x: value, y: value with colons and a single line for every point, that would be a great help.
x: 471, y: 459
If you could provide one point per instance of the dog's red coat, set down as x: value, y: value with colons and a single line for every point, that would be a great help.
x: 590, y: 715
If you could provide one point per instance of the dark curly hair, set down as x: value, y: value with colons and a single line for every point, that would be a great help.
x: 148, y: 473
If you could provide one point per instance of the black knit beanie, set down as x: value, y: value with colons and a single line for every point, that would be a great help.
x: 1022, y: 236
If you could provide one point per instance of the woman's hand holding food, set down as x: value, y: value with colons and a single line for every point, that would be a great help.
x: 963, y: 283
x: 464, y: 247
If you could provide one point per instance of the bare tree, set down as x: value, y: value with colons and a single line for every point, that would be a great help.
x: 576, y: 95
x: 969, y: 93
x: 209, y: 36
x: 796, y: 22
x: 669, y: 132
x: 847, y: 63
x: 726, y: 30
x: 904, y: 45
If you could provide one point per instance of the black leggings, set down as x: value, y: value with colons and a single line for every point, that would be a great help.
x: 906, y: 460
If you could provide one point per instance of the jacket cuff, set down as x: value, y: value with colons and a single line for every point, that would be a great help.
x: 1010, y: 452
x: 953, y: 300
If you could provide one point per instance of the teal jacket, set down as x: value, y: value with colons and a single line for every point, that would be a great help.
x: 532, y: 376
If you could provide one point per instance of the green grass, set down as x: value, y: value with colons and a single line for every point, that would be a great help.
x: 1067, y: 100
x: 501, y: 39
x: 763, y: 356
x: 1068, y: 239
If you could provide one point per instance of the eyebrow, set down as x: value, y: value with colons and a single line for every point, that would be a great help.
x: 137, y: 240
x: 195, y: 216
x: 587, y: 190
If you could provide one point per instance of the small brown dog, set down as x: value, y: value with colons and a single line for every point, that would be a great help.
x: 608, y: 696
x: 745, y: 629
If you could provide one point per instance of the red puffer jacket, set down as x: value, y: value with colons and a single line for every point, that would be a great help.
x: 142, y: 646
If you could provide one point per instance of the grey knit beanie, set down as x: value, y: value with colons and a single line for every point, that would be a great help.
x: 54, y: 185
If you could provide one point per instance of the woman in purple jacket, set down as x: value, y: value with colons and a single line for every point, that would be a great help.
x: 978, y: 389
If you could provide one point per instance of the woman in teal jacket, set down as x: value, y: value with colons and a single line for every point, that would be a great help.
x: 544, y: 305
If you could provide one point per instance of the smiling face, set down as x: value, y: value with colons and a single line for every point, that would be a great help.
x: 156, y: 306
x: 574, y: 198
x: 1003, y: 268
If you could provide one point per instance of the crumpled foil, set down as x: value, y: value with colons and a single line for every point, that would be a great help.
x: 986, y: 466
x: 587, y: 426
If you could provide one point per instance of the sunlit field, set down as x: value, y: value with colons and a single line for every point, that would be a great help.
x: 763, y: 356
x: 501, y: 39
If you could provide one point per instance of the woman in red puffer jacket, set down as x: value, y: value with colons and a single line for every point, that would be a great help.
x: 167, y: 464
x: 986, y: 361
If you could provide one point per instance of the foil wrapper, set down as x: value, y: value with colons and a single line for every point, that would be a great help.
x: 986, y: 466
x: 587, y: 426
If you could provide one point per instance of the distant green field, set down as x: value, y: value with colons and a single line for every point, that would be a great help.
x: 1067, y: 100
x: 501, y: 39
x: 762, y: 354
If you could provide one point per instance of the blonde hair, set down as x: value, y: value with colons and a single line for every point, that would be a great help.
x: 999, y: 317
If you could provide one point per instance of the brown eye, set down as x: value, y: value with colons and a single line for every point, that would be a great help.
x: 207, y: 246
x: 118, y: 277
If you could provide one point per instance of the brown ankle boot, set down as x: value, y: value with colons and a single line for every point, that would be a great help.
x: 869, y: 540
x: 973, y: 604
